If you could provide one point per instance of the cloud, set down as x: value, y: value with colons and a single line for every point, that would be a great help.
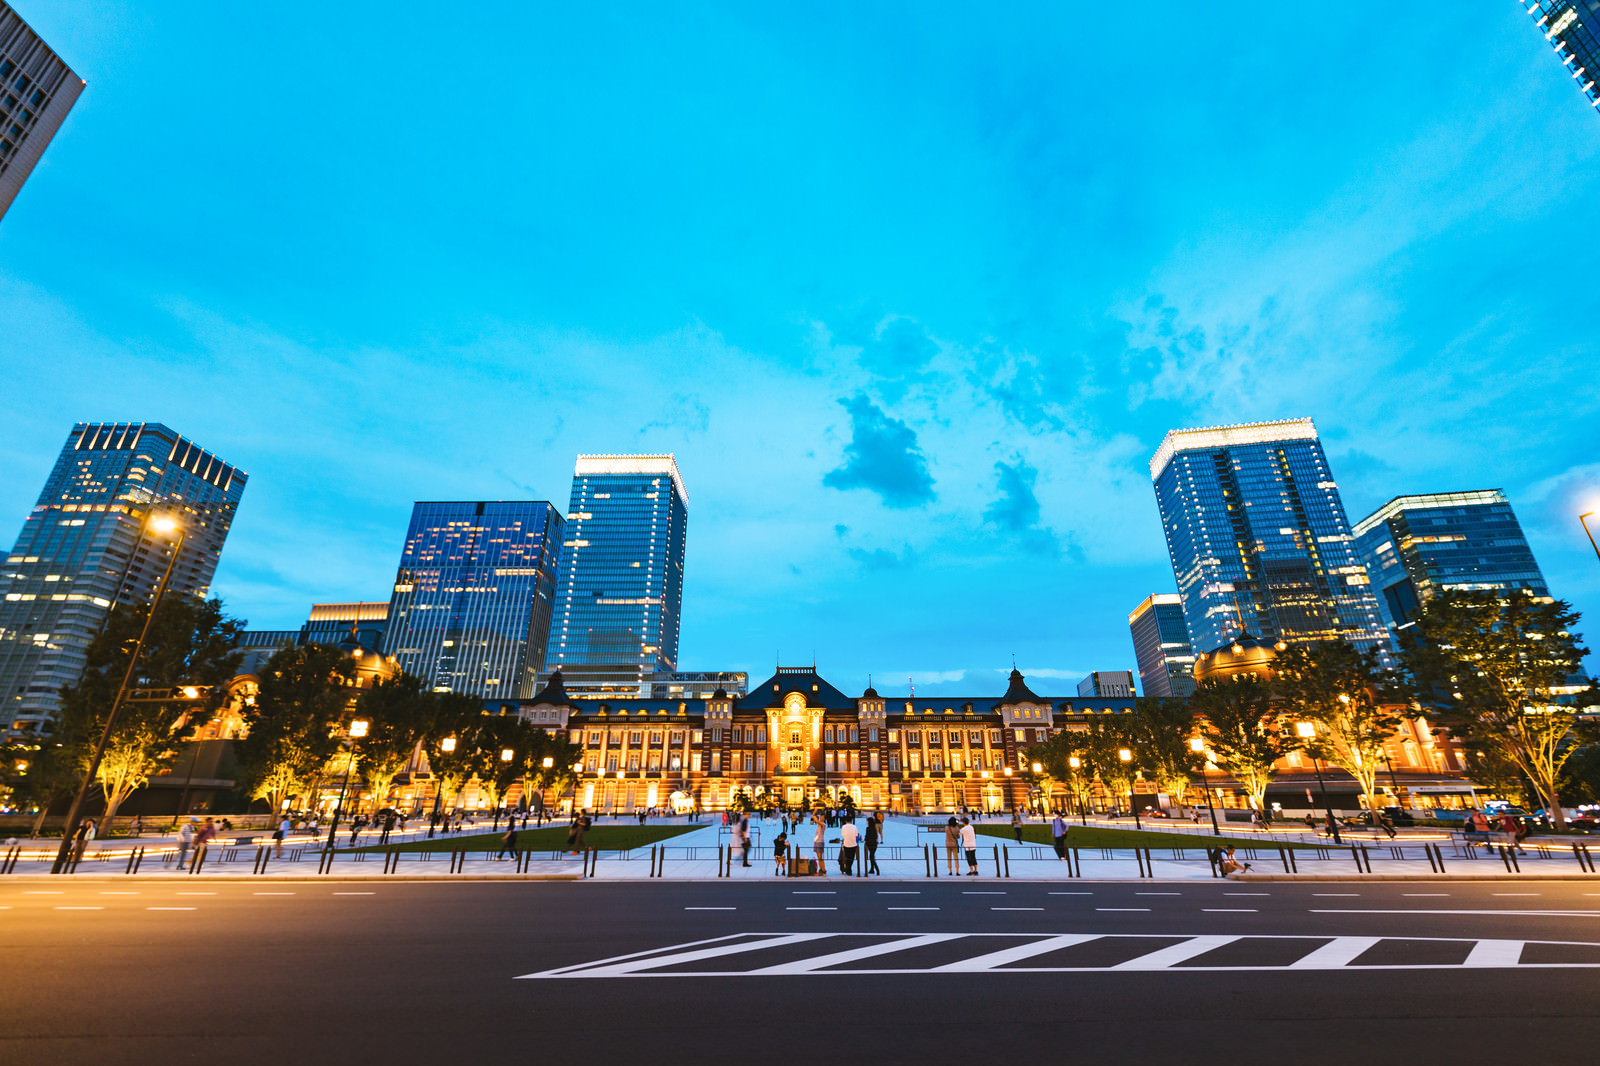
x: 883, y: 559
x: 898, y: 351
x: 1016, y: 509
x: 883, y: 457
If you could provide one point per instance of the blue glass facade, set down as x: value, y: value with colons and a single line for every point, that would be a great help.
x: 620, y: 597
x: 1161, y: 646
x: 85, y: 547
x: 1416, y: 546
x: 1573, y: 29
x: 1259, y: 539
x: 471, y: 605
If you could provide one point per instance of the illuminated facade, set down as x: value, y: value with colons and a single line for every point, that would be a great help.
x: 1259, y: 539
x: 85, y: 547
x: 1161, y: 646
x: 1573, y: 29
x: 36, y: 91
x: 620, y: 596
x: 1417, y: 546
x: 470, y: 611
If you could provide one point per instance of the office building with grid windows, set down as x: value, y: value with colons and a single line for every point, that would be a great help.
x: 1161, y: 646
x: 1259, y: 539
x: 1573, y: 29
x: 36, y: 91
x: 85, y: 547
x: 1417, y: 546
x: 620, y: 598
x: 470, y: 610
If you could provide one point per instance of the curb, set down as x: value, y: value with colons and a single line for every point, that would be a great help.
x: 1357, y: 878
x: 270, y: 880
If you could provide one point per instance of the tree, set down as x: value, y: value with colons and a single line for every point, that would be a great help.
x: 1104, y: 743
x: 1054, y: 757
x: 1245, y: 733
x: 190, y: 643
x: 401, y: 715
x: 542, y: 745
x: 40, y: 770
x: 1489, y: 666
x: 293, y: 723
x: 1341, y: 690
x: 1161, y: 731
x: 494, y: 736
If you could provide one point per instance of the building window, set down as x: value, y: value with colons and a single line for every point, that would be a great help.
x: 872, y: 735
x: 655, y: 764
x: 894, y: 761
x: 794, y: 736
x: 916, y: 761
x: 716, y: 761
x: 633, y: 762
x: 655, y: 738
x: 827, y: 762
x: 955, y: 760
x: 761, y: 734
x: 873, y: 762
x: 761, y: 762
x: 593, y: 763
x: 827, y: 734
x: 894, y: 736
x: 697, y: 738
x: 676, y: 762
x: 749, y: 763
x: 795, y: 764
x: 694, y: 762
x: 611, y: 764
x: 636, y: 739
x: 716, y: 736
x: 912, y: 737
x: 749, y: 735
x: 936, y: 762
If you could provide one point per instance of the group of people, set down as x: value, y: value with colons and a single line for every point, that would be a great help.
x: 1488, y: 830
x: 850, y: 840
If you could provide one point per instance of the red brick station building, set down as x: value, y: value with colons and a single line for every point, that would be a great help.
x: 795, y: 739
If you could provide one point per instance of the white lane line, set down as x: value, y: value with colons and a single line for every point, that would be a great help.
x: 1171, y: 956
x: 1494, y: 953
x: 912, y: 908
x: 353, y: 893
x: 1336, y: 893
x: 989, y: 961
x: 1016, y: 908
x: 1517, y: 914
x: 1229, y: 910
x: 1514, y: 893
x: 838, y: 958
x: 1335, y: 953
x: 811, y: 908
x: 1158, y: 893
x: 80, y: 908
x: 983, y: 893
x: 896, y: 893
x: 169, y: 908
x: 623, y: 969
x: 1144, y: 909
x: 1069, y: 893
x: 1247, y: 893
x: 272, y: 893
x: 1421, y: 894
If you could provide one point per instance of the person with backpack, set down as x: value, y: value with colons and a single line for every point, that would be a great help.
x: 969, y: 844
x: 847, y: 848
x: 780, y: 853
x: 952, y: 844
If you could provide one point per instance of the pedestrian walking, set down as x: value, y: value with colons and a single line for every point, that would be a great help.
x: 1058, y: 833
x: 1016, y: 823
x: 186, y: 840
x: 969, y: 844
x: 744, y: 837
x: 508, y: 842
x: 136, y: 827
x: 81, y: 838
x: 847, y: 849
x: 388, y: 827
x: 952, y: 843
x: 277, y: 837
x: 207, y: 834
x: 874, y: 834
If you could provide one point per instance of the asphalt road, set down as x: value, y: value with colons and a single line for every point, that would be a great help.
x: 942, y: 971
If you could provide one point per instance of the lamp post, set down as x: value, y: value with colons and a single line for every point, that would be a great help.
x: 546, y: 764
x: 1584, y: 519
x: 447, y: 745
x: 1198, y: 745
x: 357, y: 730
x: 577, y: 768
x: 1011, y: 798
x: 1306, y: 731
x: 1077, y: 797
x: 1126, y: 756
x: 165, y: 524
x: 1038, y: 768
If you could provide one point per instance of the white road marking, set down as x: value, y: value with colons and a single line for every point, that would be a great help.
x: 1247, y: 893
x: 353, y: 893
x: 1016, y: 908
x: 811, y: 908
x: 1163, y: 958
x: 1336, y: 893
x: 1158, y: 893
x: 619, y: 968
x: 80, y: 908
x: 1145, y: 909
x: 979, y: 963
x: 983, y: 893
x: 838, y: 958
x: 1229, y: 910
x: 1514, y: 893
x: 912, y: 908
x: 1335, y: 954
x: 889, y: 893
x: 1494, y: 953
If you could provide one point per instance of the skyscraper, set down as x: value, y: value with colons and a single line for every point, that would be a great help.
x: 620, y: 598
x: 1113, y: 683
x: 36, y: 91
x: 1417, y: 546
x: 1259, y: 539
x: 470, y: 610
x: 1161, y: 646
x: 1573, y: 29
x: 85, y: 547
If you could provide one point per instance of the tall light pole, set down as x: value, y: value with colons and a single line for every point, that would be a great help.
x: 546, y: 764
x: 357, y: 730
x: 447, y: 745
x: 163, y: 524
x: 1584, y: 520
x: 1306, y: 731
x: 1126, y: 756
x: 1198, y: 745
x: 506, y: 755
x: 1038, y: 768
x: 1077, y: 797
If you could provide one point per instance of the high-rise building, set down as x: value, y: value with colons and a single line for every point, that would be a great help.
x: 330, y: 623
x: 1417, y: 546
x: 1161, y: 646
x: 471, y: 605
x: 1117, y: 684
x: 36, y: 91
x: 85, y: 547
x: 620, y: 598
x: 1259, y: 538
x: 1573, y: 29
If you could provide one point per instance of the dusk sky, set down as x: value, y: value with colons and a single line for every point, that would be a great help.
x: 912, y: 291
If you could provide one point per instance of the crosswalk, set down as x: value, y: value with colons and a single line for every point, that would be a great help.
x: 832, y: 954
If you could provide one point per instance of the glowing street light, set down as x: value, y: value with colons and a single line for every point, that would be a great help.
x: 448, y: 744
x: 1307, y: 731
x: 1198, y: 746
x: 1584, y: 520
x: 1126, y: 756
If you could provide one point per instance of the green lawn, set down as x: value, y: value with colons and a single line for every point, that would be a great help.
x: 1096, y: 837
x: 551, y: 837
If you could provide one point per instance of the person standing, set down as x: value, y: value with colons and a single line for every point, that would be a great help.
x: 207, y: 834
x: 388, y: 827
x: 277, y: 836
x: 744, y: 837
x: 1016, y: 823
x: 186, y: 840
x: 969, y: 844
x: 780, y: 852
x: 847, y: 849
x: 1058, y: 833
x: 952, y: 842
x: 874, y: 833
x: 80, y: 839
x: 819, y: 841
x: 136, y: 827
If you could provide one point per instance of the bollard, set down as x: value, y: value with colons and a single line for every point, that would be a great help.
x: 1581, y: 852
x: 131, y: 853
x: 1006, y: 851
x: 927, y: 865
x: 997, y: 860
x: 10, y: 861
x: 594, y: 860
x: 1283, y: 856
x: 199, y: 860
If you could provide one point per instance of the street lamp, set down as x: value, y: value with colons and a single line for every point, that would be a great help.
x: 505, y: 757
x: 1584, y: 519
x: 1037, y: 770
x: 1196, y: 744
x: 1126, y: 756
x: 357, y: 730
x: 164, y: 524
x: 1306, y: 731
x: 1077, y: 797
x: 447, y: 745
x: 577, y: 768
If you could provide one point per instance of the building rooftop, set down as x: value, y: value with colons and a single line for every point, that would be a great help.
x: 1183, y: 440
x: 1476, y: 498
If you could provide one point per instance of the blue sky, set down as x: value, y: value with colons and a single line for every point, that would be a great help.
x: 912, y: 291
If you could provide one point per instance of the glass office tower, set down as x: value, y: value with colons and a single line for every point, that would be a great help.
x: 1259, y: 539
x: 620, y: 597
x: 1573, y: 29
x: 36, y: 91
x: 85, y: 547
x: 470, y: 611
x: 1161, y: 646
x: 1416, y: 546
